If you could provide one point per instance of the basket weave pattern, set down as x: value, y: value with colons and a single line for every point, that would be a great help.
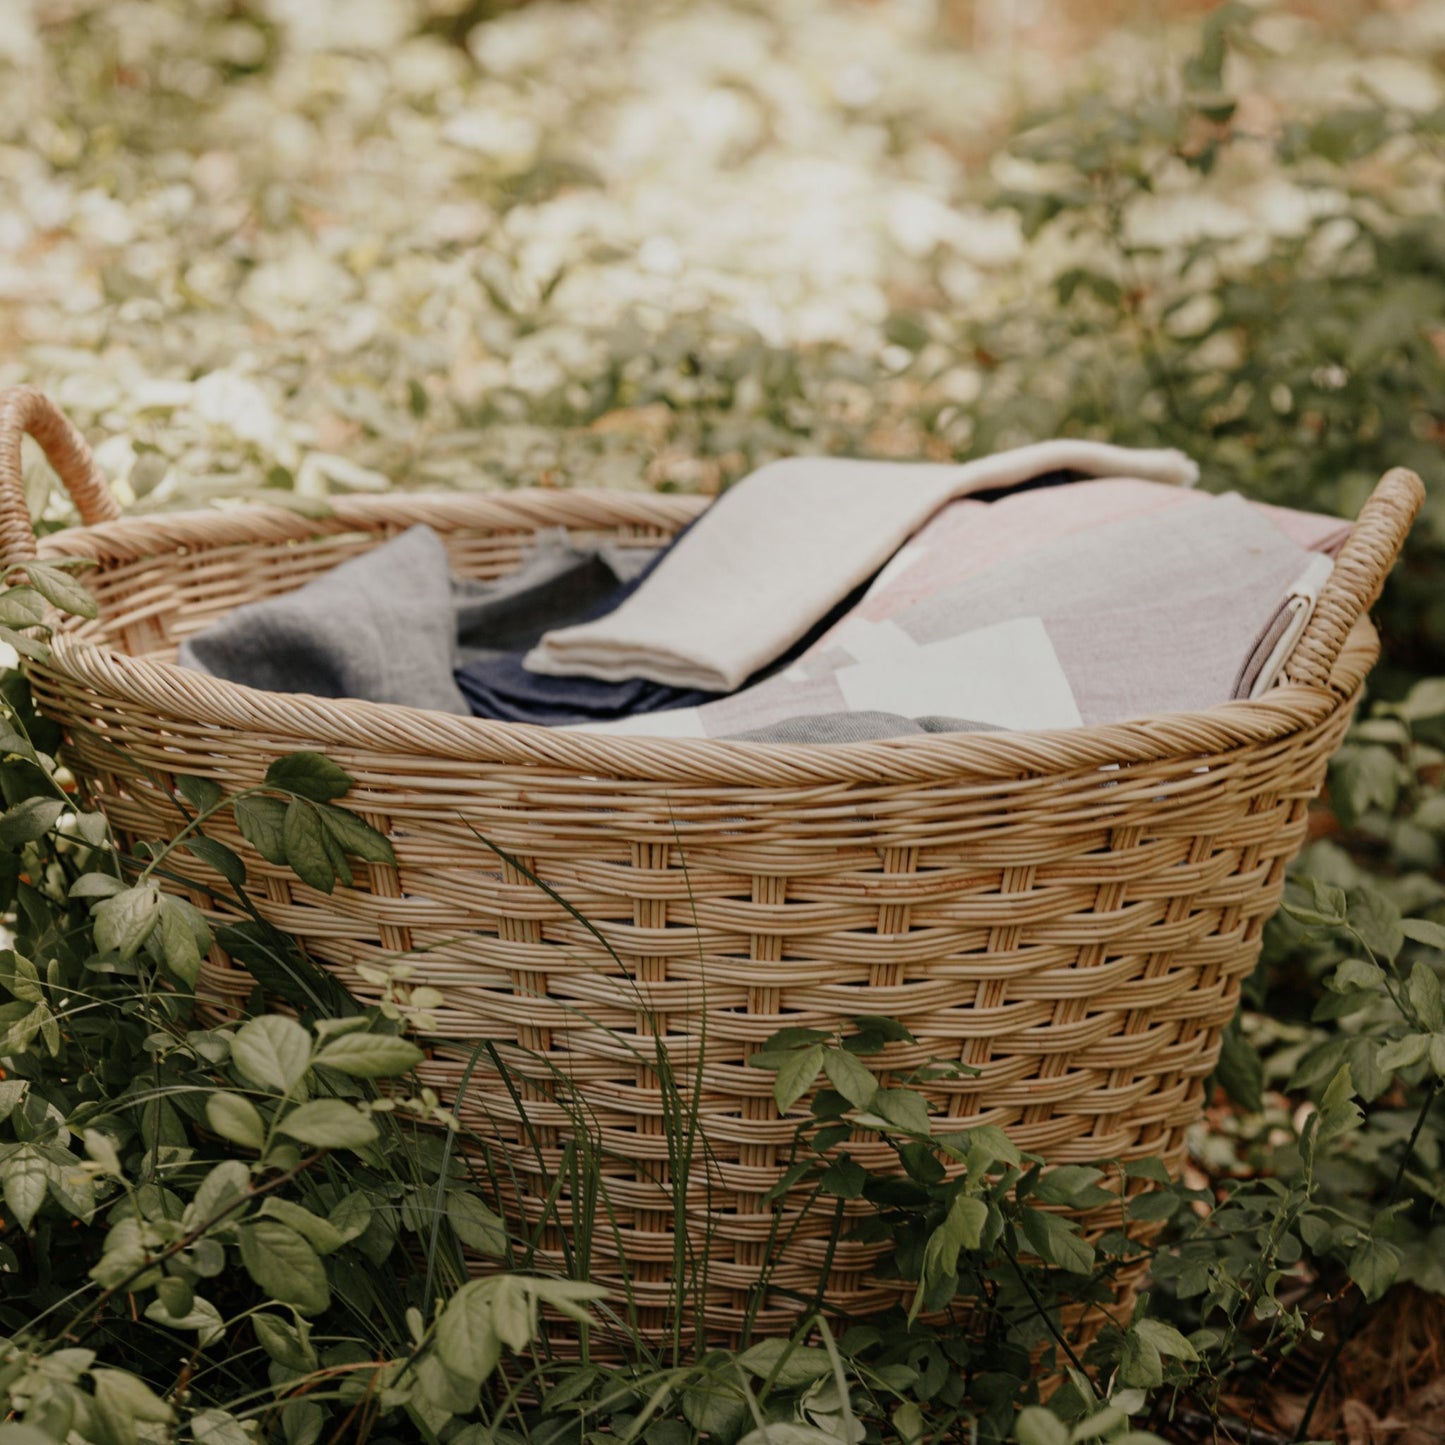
x: 1069, y: 913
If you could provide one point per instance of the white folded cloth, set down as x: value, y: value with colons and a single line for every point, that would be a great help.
x: 786, y: 544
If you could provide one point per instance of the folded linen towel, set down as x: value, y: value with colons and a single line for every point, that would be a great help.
x: 1174, y: 609
x: 783, y: 546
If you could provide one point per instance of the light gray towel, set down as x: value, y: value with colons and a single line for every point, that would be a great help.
x: 381, y: 627
x: 392, y: 625
x: 786, y: 544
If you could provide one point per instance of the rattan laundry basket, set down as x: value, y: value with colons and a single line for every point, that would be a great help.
x: 1069, y: 912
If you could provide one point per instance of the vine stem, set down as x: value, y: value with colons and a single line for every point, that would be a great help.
x: 1352, y: 1324
x: 1053, y: 1329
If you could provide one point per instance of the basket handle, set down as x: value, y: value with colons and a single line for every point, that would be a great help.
x: 1360, y: 571
x: 24, y: 410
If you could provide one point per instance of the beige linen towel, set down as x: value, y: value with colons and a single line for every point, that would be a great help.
x: 783, y: 546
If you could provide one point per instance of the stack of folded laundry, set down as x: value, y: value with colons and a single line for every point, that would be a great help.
x: 824, y: 600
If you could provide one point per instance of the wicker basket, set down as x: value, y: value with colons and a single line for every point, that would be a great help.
x: 1069, y: 912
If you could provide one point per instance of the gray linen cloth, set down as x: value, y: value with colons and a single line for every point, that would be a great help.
x: 381, y: 627
x: 393, y: 624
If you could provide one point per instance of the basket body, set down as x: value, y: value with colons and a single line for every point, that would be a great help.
x: 1071, y: 914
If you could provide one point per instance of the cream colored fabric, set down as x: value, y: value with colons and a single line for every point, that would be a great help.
x: 787, y: 543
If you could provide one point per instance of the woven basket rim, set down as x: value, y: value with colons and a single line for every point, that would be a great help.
x: 338, y: 724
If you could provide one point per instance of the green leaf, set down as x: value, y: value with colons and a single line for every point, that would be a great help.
x: 1037, y: 1426
x: 786, y: 1363
x: 1327, y: 905
x: 202, y: 1316
x: 122, y: 1395
x: 284, y: 1265
x: 330, y: 1124
x: 124, y: 921
x: 236, y: 1119
x: 1355, y: 973
x: 29, y: 820
x: 21, y: 607
x: 444, y: 1391
x: 1437, y: 1054
x: 370, y: 1056
x: 25, y: 646
x: 903, y: 1109
x: 844, y: 1178
x: 1240, y: 1069
x: 355, y: 836
x: 715, y: 1409
x: 1373, y: 1266
x: 1432, y: 935
x: 1103, y: 1422
x: 475, y: 1225
x: 175, y: 938
x: 967, y: 1216
x: 1056, y: 1242
x: 796, y: 1075
x: 220, y: 858
x: 789, y: 1432
x: 467, y: 1342
x: 96, y: 885
x: 25, y: 1174
x: 12, y: 1091
x: 352, y: 1215
x: 1139, y: 1361
x: 303, y: 1421
x: 1166, y: 1339
x: 851, y: 1079
x: 262, y: 824
x: 284, y: 1343
x: 201, y: 793
x: 514, y: 1312
x: 20, y: 978
x: 1075, y: 1184
x: 1423, y: 992
x: 219, y: 1427
x: 321, y: 1234
x: 306, y: 850
x: 308, y: 775
x: 227, y: 1183
x: 1425, y: 700
x: 336, y: 855
x: 1338, y: 1111
x: 60, y: 589
x: 272, y: 1051
x: 1403, y: 1053
x: 12, y: 744
x: 568, y: 1295
x: 987, y: 1145
x: 1377, y: 922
